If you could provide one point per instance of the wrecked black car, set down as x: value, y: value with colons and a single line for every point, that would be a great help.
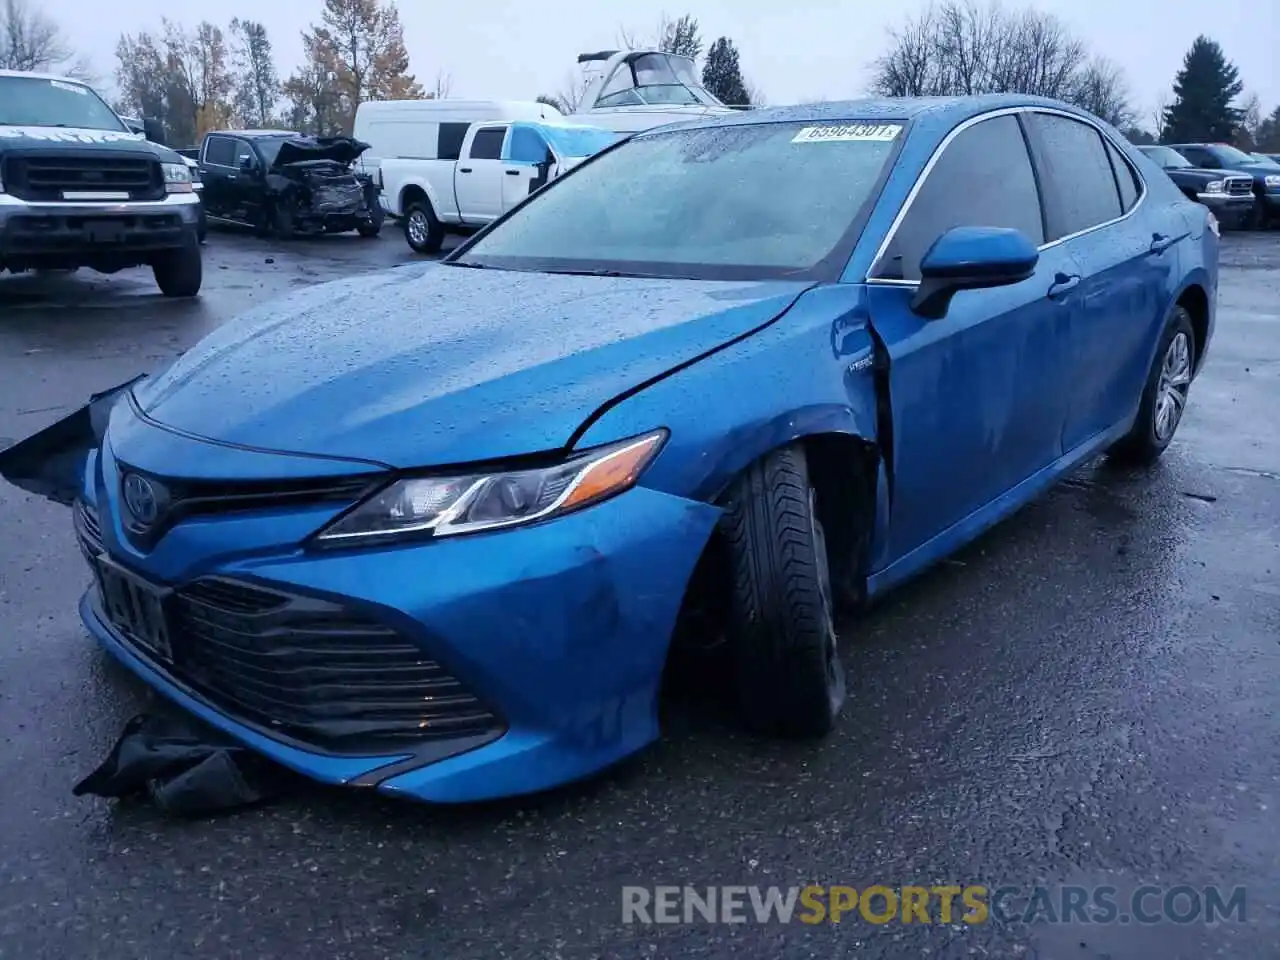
x: 283, y: 183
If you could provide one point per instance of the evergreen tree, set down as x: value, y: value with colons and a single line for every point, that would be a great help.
x: 722, y: 75
x: 1203, y: 91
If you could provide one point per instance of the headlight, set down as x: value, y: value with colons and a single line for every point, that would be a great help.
x: 1215, y: 186
x: 470, y: 503
x: 1272, y: 180
x: 177, y: 178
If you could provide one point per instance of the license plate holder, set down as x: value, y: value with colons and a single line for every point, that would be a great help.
x: 104, y: 231
x: 134, y: 607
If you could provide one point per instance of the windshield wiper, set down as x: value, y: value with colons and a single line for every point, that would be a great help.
x: 602, y: 273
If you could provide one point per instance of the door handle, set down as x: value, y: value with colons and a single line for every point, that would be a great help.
x: 1062, y: 285
x: 464, y: 169
x: 513, y: 173
x: 1160, y: 243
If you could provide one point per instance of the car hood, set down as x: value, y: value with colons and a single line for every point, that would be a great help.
x: 76, y: 139
x: 342, y: 150
x: 430, y: 364
x: 1204, y: 173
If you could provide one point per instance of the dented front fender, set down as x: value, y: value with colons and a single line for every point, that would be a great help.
x: 51, y: 463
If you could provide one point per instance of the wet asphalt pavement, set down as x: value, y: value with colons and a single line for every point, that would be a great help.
x: 1086, y: 696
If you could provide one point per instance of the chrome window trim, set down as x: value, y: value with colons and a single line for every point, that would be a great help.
x: 946, y: 142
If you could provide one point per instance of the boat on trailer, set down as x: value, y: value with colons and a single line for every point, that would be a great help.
x: 632, y: 90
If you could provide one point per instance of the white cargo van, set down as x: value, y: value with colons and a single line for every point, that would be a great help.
x: 430, y: 129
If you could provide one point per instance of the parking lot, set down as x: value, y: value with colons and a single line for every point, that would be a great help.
x: 1086, y: 696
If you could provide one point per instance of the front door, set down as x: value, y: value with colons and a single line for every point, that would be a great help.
x: 978, y: 397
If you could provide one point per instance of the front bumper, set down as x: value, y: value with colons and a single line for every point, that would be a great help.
x: 558, y: 632
x: 1230, y: 211
x: 33, y: 234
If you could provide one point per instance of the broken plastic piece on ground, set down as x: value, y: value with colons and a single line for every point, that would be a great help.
x: 50, y: 463
x: 186, y: 769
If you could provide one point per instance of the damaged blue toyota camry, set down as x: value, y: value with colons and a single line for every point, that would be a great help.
x: 433, y: 530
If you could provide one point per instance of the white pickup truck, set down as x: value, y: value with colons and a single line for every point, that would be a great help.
x: 498, y: 164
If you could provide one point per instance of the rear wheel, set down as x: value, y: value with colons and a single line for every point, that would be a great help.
x: 1164, y: 397
x: 180, y: 272
x: 790, y: 681
x: 423, y: 232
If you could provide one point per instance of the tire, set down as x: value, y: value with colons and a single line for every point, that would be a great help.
x: 369, y: 230
x: 282, y: 222
x: 422, y: 231
x: 180, y: 272
x: 786, y: 664
x: 1164, y: 396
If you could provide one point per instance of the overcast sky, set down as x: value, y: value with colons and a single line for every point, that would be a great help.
x: 791, y: 51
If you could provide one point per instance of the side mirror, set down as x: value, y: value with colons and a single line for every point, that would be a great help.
x: 153, y: 130
x: 246, y: 164
x: 971, y: 258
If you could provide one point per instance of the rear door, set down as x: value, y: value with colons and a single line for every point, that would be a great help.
x: 479, y: 174
x: 978, y: 396
x: 1091, y: 195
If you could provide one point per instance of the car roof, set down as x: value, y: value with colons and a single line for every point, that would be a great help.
x: 41, y: 76
x: 945, y: 112
x: 256, y: 133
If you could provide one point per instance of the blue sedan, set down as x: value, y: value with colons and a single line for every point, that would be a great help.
x: 438, y: 530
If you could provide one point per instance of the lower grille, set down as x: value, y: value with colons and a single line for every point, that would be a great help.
x: 37, y: 178
x: 88, y: 532
x: 315, y: 670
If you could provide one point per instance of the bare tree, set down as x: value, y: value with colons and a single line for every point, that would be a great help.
x: 1250, y: 121
x: 1101, y: 89
x: 442, y: 87
x: 1158, y: 115
x: 957, y: 47
x: 30, y: 40
x: 570, y: 96
x: 680, y: 35
x: 257, y: 85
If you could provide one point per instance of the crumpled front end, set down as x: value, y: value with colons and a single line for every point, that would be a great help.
x: 324, y: 196
x: 451, y: 670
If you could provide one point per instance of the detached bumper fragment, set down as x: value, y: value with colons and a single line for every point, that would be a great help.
x: 51, y: 463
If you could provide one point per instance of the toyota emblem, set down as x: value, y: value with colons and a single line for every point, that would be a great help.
x: 143, y: 499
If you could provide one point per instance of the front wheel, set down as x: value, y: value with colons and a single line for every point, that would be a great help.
x: 789, y: 678
x: 180, y: 272
x: 1164, y: 397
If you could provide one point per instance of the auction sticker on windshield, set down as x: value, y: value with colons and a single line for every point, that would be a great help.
x: 833, y: 132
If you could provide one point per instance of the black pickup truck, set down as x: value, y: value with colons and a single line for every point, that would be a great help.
x: 1264, y: 174
x: 1228, y: 193
x: 78, y: 188
x: 282, y: 183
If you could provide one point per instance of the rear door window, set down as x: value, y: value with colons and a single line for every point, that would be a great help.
x: 487, y: 144
x: 1081, y: 190
x: 1126, y: 178
x: 983, y: 178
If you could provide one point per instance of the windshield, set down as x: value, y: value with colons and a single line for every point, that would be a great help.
x: 1229, y: 155
x: 656, y: 78
x: 1166, y: 156
x: 579, y: 141
x: 38, y: 102
x: 756, y: 201
x: 269, y: 147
